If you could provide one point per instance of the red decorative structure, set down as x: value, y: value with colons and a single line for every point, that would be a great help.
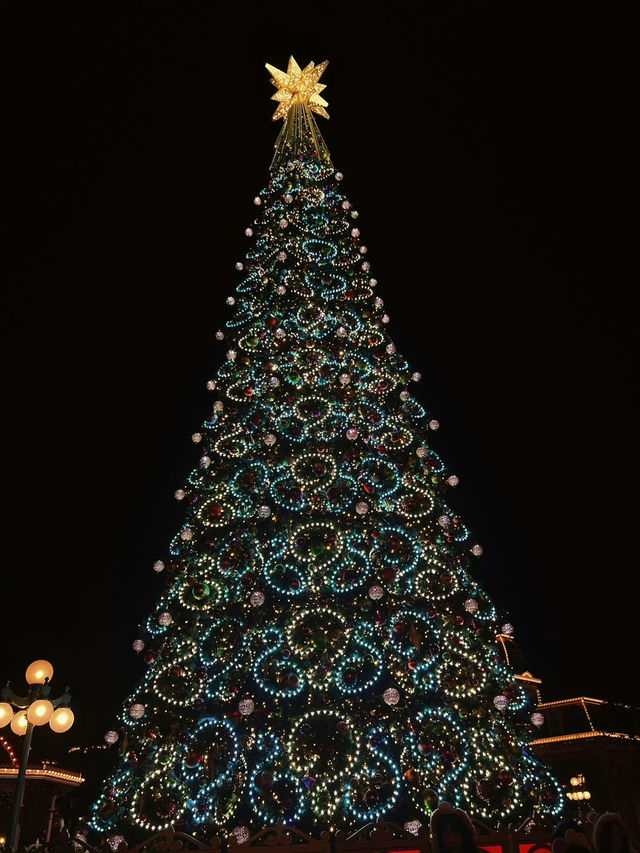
x: 380, y: 837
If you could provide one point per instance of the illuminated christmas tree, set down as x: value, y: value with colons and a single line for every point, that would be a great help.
x: 321, y: 654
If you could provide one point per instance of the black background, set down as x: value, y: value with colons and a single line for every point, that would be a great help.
x: 482, y: 145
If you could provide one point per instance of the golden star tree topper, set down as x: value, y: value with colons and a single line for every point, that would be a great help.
x: 298, y: 86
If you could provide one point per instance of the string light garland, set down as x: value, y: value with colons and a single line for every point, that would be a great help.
x: 321, y: 652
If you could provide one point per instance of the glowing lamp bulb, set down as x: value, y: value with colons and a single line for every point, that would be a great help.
x: 19, y: 723
x: 6, y: 714
x: 61, y: 720
x: 38, y: 672
x: 39, y: 712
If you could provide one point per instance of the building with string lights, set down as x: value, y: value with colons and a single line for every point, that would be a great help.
x: 593, y: 745
x: 47, y: 786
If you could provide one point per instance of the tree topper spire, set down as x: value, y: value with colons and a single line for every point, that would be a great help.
x: 298, y: 98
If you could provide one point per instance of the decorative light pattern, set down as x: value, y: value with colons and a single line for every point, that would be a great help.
x: 321, y: 652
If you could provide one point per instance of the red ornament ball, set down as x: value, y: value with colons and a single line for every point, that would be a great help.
x: 192, y: 759
x: 485, y: 789
x: 264, y: 782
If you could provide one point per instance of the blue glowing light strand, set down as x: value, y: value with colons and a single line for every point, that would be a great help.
x: 381, y: 757
x: 412, y: 615
x: 357, y: 563
x: 274, y: 640
x: 119, y: 783
x: 362, y: 637
x: 216, y: 669
x: 298, y: 788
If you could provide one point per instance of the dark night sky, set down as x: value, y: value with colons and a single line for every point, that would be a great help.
x: 481, y: 145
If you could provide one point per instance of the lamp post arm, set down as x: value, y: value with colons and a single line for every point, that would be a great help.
x: 8, y: 695
x: 64, y: 700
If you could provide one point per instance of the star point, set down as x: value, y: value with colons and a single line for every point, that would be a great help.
x: 298, y: 86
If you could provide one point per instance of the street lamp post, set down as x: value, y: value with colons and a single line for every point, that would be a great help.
x: 579, y: 792
x: 24, y: 713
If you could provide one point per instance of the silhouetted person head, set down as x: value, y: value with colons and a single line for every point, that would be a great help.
x: 609, y: 834
x: 452, y: 830
x: 563, y: 826
x: 573, y: 841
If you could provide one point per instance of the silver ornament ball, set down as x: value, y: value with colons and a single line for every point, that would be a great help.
x: 391, y: 696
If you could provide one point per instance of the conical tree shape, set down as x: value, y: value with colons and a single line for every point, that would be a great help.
x: 321, y: 654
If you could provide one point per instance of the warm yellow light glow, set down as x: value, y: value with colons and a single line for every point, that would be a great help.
x: 297, y: 86
x: 45, y: 772
x: 574, y: 781
x: 39, y: 712
x: 578, y: 700
x: 61, y: 720
x: 587, y: 795
x: 38, y: 672
x: 19, y: 723
x: 6, y: 713
x: 580, y: 735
